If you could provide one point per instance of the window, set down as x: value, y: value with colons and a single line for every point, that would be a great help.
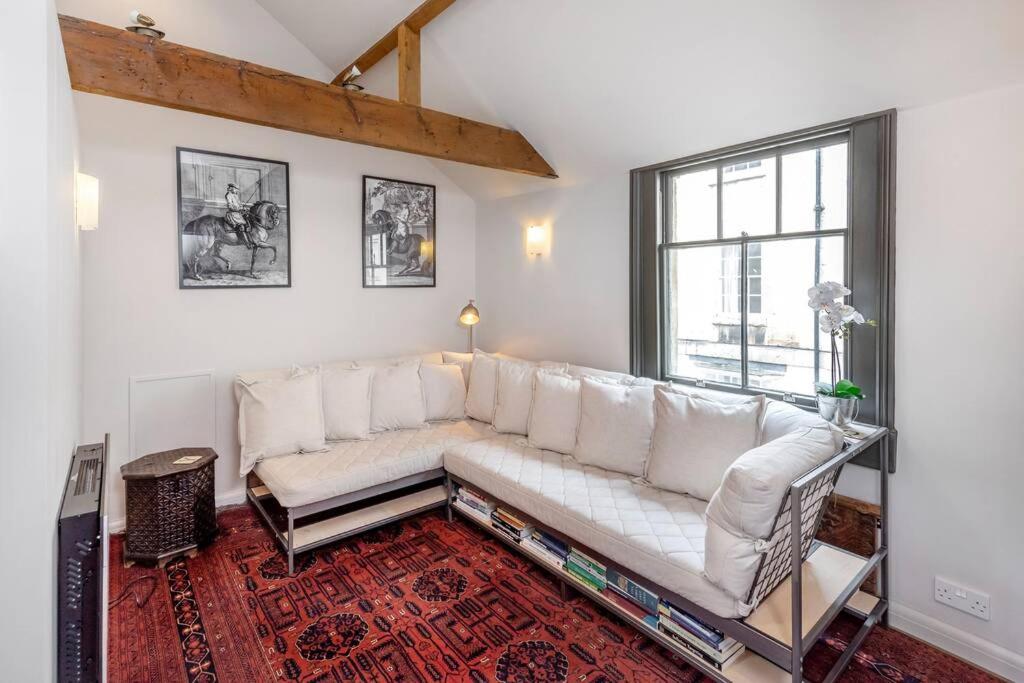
x: 770, y: 245
x: 725, y: 245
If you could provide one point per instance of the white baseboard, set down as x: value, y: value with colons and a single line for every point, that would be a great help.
x: 116, y: 526
x: 965, y: 645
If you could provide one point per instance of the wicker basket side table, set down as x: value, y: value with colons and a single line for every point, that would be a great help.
x: 170, y: 507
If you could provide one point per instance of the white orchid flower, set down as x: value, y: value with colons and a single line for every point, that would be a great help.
x: 850, y: 314
x: 825, y: 293
x: 830, y: 321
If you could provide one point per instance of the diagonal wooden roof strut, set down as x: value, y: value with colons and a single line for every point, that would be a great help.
x: 420, y: 17
x: 110, y: 61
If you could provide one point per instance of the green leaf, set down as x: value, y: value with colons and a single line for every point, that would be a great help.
x: 823, y: 388
x: 847, y: 389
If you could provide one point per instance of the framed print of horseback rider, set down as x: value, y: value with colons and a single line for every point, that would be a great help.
x: 233, y: 221
x: 399, y: 233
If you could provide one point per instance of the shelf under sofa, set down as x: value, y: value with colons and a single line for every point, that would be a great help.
x: 304, y: 528
x: 827, y: 573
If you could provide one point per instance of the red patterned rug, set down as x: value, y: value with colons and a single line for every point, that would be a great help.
x: 422, y: 600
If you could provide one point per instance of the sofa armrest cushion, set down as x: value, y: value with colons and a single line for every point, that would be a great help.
x: 753, y: 487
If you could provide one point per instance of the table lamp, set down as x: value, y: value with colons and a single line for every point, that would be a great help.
x: 469, y: 317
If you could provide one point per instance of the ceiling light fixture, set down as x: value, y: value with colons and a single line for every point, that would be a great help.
x: 143, y: 25
x: 349, y: 81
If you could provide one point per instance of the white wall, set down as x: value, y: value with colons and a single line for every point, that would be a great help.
x: 957, y: 494
x: 571, y: 304
x: 955, y: 499
x: 39, y: 343
x: 137, y: 321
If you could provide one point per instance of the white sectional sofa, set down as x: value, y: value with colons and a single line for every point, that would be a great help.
x: 688, y: 490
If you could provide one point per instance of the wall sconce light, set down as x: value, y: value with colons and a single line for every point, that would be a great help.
x: 536, y: 240
x: 87, y: 201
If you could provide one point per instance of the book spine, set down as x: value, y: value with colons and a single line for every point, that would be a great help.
x: 498, y: 523
x: 584, y: 559
x: 584, y: 579
x: 697, y: 628
x: 544, y: 553
x: 470, y: 510
x: 634, y: 591
x: 686, y: 645
x: 476, y: 506
x: 584, y: 569
x: 688, y: 618
x: 718, y: 655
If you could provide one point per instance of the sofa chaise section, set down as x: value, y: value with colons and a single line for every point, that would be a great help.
x: 656, y: 533
x: 350, y: 466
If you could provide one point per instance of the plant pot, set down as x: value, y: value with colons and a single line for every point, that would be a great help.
x: 839, y: 411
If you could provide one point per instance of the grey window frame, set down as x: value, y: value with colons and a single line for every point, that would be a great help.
x: 869, y: 256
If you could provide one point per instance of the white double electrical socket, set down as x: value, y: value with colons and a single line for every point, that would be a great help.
x: 964, y: 599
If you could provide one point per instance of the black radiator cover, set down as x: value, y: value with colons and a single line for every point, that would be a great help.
x: 81, y: 612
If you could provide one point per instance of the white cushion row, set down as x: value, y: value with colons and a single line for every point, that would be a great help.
x: 356, y: 398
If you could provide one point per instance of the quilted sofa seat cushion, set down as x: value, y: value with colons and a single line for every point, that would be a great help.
x: 657, y: 534
x: 349, y: 466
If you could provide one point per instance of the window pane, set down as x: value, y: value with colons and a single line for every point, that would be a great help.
x: 781, y: 329
x: 748, y: 198
x: 694, y: 209
x: 703, y: 330
x: 803, y: 186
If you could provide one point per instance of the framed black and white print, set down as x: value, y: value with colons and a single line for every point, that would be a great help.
x: 399, y: 233
x: 233, y: 221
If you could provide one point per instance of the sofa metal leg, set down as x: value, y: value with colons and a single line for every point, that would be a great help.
x: 291, y: 543
x: 796, y: 551
x: 883, y: 520
x: 448, y: 498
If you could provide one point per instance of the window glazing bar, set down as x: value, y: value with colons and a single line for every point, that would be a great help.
x: 744, y: 318
x: 754, y: 238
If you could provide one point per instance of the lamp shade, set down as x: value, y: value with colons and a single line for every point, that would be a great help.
x: 470, y: 315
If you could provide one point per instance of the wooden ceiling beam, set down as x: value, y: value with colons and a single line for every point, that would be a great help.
x: 408, y: 65
x: 420, y: 17
x: 110, y: 61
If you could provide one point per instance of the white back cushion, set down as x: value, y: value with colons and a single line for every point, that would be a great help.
x: 463, y: 360
x: 696, y: 439
x: 278, y: 417
x: 616, y: 422
x: 555, y: 415
x: 444, y: 391
x: 430, y: 357
x: 781, y: 418
x: 513, y: 396
x: 346, y: 394
x: 396, y: 398
x: 483, y: 384
x: 578, y: 371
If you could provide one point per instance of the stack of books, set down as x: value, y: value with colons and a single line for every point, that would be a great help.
x: 586, y: 570
x: 711, y: 645
x: 548, y: 547
x: 476, y: 505
x: 510, y: 525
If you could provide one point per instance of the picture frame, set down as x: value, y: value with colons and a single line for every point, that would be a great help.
x: 234, y: 221
x: 399, y: 233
